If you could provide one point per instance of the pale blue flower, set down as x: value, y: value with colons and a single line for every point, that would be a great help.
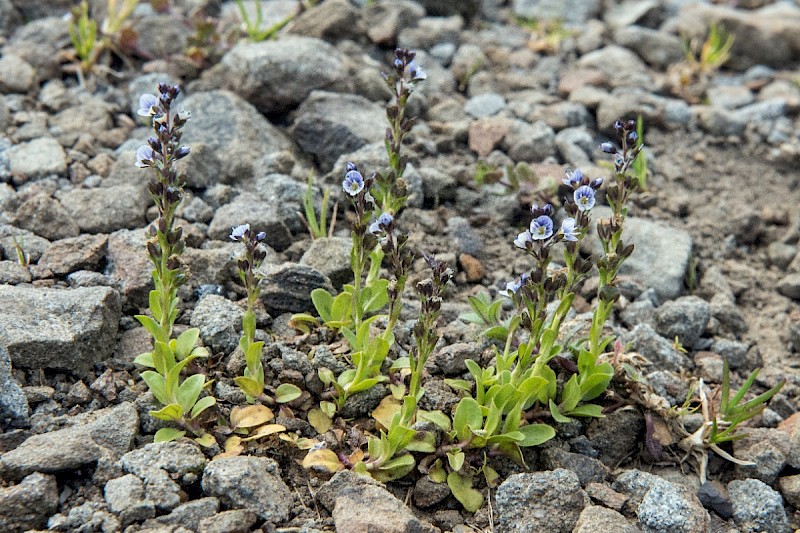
x: 512, y: 287
x: 353, y: 182
x: 416, y: 72
x: 568, y: 230
x: 148, y: 105
x: 524, y: 240
x: 145, y: 156
x: 381, y: 224
x: 541, y: 228
x: 572, y: 178
x: 237, y: 232
x: 584, y: 197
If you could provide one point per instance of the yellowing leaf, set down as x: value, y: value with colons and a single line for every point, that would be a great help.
x: 206, y: 440
x: 324, y: 459
x: 250, y: 416
x: 356, y: 456
x: 233, y: 447
x: 319, y: 420
x: 263, y: 431
x: 386, y: 410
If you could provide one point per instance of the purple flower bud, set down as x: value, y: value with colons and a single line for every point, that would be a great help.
x: 584, y: 198
x: 632, y: 137
x: 145, y: 156
x: 596, y: 183
x: 353, y: 182
x: 398, y: 63
x: 148, y: 104
x: 182, y: 152
x: 261, y: 236
x: 237, y: 232
x: 542, y: 227
x: 618, y: 125
x: 608, y: 148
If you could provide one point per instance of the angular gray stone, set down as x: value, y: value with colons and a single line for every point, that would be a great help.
x: 451, y: 359
x: 328, y: 125
x: 46, y: 217
x: 229, y: 125
x: 260, y: 217
x: 250, y: 483
x: 107, y: 209
x: 660, y: 257
x: 38, y: 158
x: 588, y: 469
x: 659, y: 49
x: 656, y: 348
x: 219, y: 321
x: 159, y: 36
x: 485, y: 105
x: 540, y: 501
x: 595, y: 518
x: 362, y: 403
x: 670, y: 508
x: 103, y: 434
x: 287, y: 287
x: 60, y: 329
x: 277, y: 75
x: 685, y: 318
x: 183, y: 459
x: 569, y: 11
x: 128, y: 266
x: 616, y: 436
x: 530, y: 143
x: 28, y: 505
x: 84, y: 252
x: 385, y: 18
x: 125, y: 497
x: 231, y: 521
x: 621, y: 66
x: 331, y: 257
x: 14, y: 408
x: 789, y: 286
x: 768, y: 448
x: 757, y: 507
x: 192, y: 513
x: 332, y: 20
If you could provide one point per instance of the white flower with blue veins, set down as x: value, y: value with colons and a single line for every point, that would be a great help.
x: 584, y: 197
x: 237, y: 232
x: 148, y: 105
x: 541, y: 228
x: 523, y: 240
x: 145, y: 156
x: 353, y: 182
x: 568, y: 230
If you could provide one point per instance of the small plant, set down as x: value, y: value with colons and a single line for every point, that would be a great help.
x: 23, y: 257
x: 253, y: 26
x: 170, y: 356
x: 89, y: 44
x: 318, y: 228
x: 513, y: 178
x: 639, y: 167
x: 690, y: 78
x: 721, y: 425
x: 83, y: 35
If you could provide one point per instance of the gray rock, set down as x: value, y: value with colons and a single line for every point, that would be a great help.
x: 13, y: 402
x: 277, y: 75
x: 108, y: 209
x: 757, y: 507
x: 328, y: 125
x: 128, y: 266
x: 84, y: 252
x: 576, y: 145
x: 660, y: 258
x: 211, y: 266
x: 46, y: 217
x: 32, y: 244
x: 98, y: 435
x: 621, y: 67
x: 74, y: 328
x: 450, y: 360
x: 254, y: 213
x: 635, y: 484
x: 359, y: 503
x: 766, y: 447
x: 330, y: 21
x: 159, y: 36
x: 38, y: 158
x: 160, y: 489
x: 437, y: 186
x: 38, y: 41
x: 781, y: 254
x: 588, y: 469
x: 428, y: 493
x: 735, y: 352
x: 540, y: 501
x: 232, y: 521
x: 445, y: 8
x: 485, y: 105
x: 659, y: 49
x: 789, y: 286
x: 429, y: 32
x: 28, y: 505
x: 530, y: 143
x: 191, y: 514
x: 668, y: 508
x: 92, y: 515
x: 9, y: 17
x: 125, y: 497
x: 725, y: 309
x: 331, y: 257
x: 616, y: 436
x: 571, y: 11
x: 219, y: 321
x: 251, y: 483
x: 13, y: 273
x: 229, y: 125
x: 724, y: 122
x: 595, y: 518
x: 16, y: 75
x: 467, y: 240
x: 669, y: 385
x: 181, y: 459
x: 729, y: 96
x: 385, y: 18
x: 362, y: 403
x: 685, y: 318
x: 287, y: 287
x: 657, y: 349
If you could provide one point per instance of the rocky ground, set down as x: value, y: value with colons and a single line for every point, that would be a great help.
x: 716, y: 263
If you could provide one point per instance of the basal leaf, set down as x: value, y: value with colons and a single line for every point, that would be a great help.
x: 286, y: 392
x: 185, y: 342
x: 323, y: 302
x: 168, y: 435
x: 455, y: 458
x: 468, y: 417
x: 557, y: 416
x: 461, y: 487
x: 324, y: 459
x: 206, y: 441
x: 155, y: 382
x: 250, y: 416
x: 171, y: 413
x: 587, y: 409
x: 202, y: 404
x: 319, y: 420
x: 437, y: 417
x: 536, y: 434
x: 249, y: 386
x: 263, y: 431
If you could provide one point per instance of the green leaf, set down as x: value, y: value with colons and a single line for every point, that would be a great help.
x: 171, y: 413
x: 511, y: 437
x: 587, y: 409
x: 468, y: 417
x: 455, y: 458
x: 154, y: 300
x: 341, y: 308
x: 145, y: 359
x: 325, y: 375
x: 597, y: 383
x: 437, y: 473
x: 396, y: 468
x: 249, y: 386
x: 206, y: 441
x: 202, y: 404
x: 189, y: 391
x: 399, y: 436
x: 437, y: 417
x: 153, y: 327
x: 249, y: 324
x: 459, y: 384
x: 302, y: 321
x: 286, y: 392
x: 461, y: 487
x: 329, y: 408
x: 536, y: 434
x: 323, y: 303
x: 363, y: 384
x: 185, y: 342
x: 168, y: 435
x: 253, y: 354
x: 498, y: 333
x: 571, y: 394
x: 557, y: 416
x: 423, y: 441
x: 375, y: 296
x: 157, y: 386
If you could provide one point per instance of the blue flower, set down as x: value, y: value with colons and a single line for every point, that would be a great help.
x: 353, y: 182
x: 608, y: 148
x: 237, y: 232
x: 381, y: 224
x: 542, y: 228
x: 513, y: 286
x: 568, y: 230
x: 584, y: 197
x: 261, y: 236
x: 145, y: 156
x: 524, y: 240
x: 572, y: 178
x: 148, y: 105
x: 416, y: 72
